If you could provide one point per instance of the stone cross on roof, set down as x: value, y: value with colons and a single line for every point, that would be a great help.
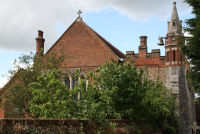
x: 79, y: 13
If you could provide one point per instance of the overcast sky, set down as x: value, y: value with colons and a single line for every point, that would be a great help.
x: 121, y: 22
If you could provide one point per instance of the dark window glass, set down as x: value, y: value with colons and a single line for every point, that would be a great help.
x: 167, y: 56
x: 67, y: 83
x: 74, y: 81
x: 174, y: 55
x: 81, y: 98
x: 82, y: 89
x: 198, y: 123
x: 73, y: 86
x: 198, y: 131
x: 173, y: 23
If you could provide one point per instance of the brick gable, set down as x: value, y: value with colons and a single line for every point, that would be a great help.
x: 84, y: 47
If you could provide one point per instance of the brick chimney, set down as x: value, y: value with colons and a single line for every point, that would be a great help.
x: 143, y: 40
x: 143, y: 46
x: 40, y: 43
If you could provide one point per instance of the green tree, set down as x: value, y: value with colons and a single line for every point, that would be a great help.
x: 15, y: 93
x: 112, y: 91
x: 191, y: 48
x: 121, y: 91
x: 51, y: 98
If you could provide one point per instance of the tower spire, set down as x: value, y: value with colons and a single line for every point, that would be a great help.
x: 174, y: 25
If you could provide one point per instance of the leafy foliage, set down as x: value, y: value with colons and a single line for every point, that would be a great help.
x: 191, y: 49
x: 27, y: 68
x: 169, y: 130
x: 173, y: 120
x: 116, y: 91
x: 112, y: 91
x: 51, y: 98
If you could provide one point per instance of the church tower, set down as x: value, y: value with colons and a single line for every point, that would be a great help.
x: 173, y: 57
x: 176, y: 78
x: 174, y: 60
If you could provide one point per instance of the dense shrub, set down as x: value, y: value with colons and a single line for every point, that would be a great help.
x: 169, y: 130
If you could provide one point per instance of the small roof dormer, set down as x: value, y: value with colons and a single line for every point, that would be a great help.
x: 174, y: 25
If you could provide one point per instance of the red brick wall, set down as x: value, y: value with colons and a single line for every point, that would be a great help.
x: 2, y: 111
x: 151, y: 60
x: 83, y: 49
x: 178, y: 56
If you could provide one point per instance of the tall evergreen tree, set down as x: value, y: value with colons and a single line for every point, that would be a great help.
x: 190, y: 45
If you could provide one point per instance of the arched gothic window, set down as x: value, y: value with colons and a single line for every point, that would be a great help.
x: 70, y: 82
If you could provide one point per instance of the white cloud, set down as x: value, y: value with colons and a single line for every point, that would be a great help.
x: 20, y: 65
x: 186, y: 34
x: 2, y: 82
x: 6, y: 78
x: 20, y: 19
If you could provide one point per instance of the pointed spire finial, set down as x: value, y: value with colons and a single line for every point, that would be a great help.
x: 174, y: 25
x: 79, y: 13
x: 174, y: 2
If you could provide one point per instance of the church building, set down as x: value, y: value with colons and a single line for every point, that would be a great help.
x: 88, y: 50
